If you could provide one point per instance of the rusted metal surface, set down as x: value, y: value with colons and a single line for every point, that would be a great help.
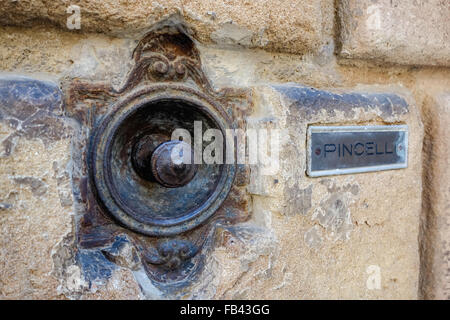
x: 170, y: 172
x: 142, y: 205
x: 171, y: 254
x: 142, y: 153
x: 126, y: 188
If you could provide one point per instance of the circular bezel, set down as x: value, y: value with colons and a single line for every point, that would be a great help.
x: 100, y: 159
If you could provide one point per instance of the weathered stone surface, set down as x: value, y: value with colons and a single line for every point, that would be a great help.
x: 289, y: 26
x: 395, y: 31
x: 34, y: 161
x: 36, y: 220
x: 38, y: 256
x: 32, y: 108
x: 435, y: 257
x: 307, y: 238
x: 332, y: 233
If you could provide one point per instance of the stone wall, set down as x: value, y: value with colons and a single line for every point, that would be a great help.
x: 302, y: 63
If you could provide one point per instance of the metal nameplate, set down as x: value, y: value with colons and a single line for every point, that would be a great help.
x: 333, y: 150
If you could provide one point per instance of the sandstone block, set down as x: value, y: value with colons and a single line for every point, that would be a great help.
x: 395, y: 31
x: 337, y: 234
x: 35, y: 187
x: 288, y: 26
x: 436, y: 238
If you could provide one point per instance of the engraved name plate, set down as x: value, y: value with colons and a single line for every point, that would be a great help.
x: 333, y: 150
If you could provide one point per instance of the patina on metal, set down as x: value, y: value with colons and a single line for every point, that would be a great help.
x: 160, y: 198
x: 170, y: 255
x: 168, y: 164
x: 128, y: 188
x: 336, y: 150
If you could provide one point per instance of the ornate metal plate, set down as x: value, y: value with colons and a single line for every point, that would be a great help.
x: 128, y: 188
x: 336, y: 150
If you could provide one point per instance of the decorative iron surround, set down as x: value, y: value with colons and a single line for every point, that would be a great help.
x: 172, y: 225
